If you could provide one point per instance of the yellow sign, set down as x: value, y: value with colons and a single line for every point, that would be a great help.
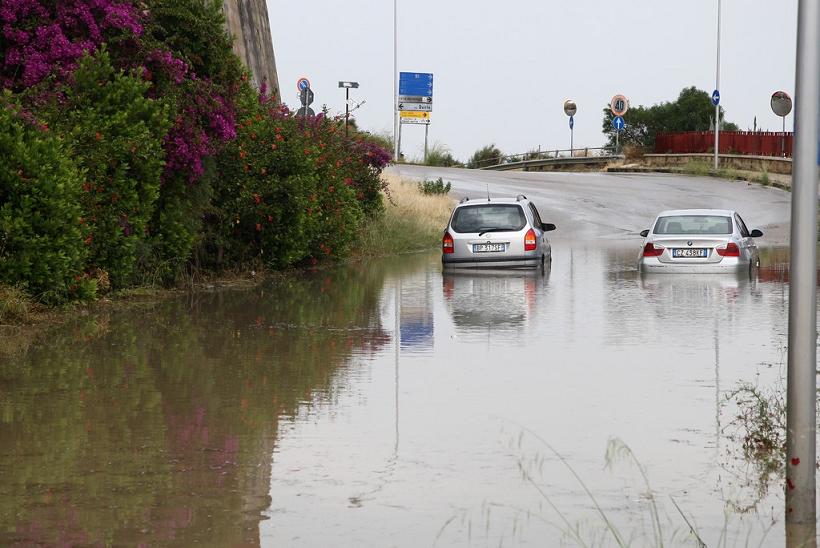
x: 414, y: 114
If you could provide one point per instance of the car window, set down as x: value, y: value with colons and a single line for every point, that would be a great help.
x: 489, y: 217
x: 535, y: 216
x: 741, y: 226
x: 693, y: 224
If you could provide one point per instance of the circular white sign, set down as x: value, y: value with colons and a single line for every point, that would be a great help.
x: 781, y: 103
x: 619, y: 105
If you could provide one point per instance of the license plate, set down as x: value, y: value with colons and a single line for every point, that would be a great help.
x: 689, y: 253
x: 487, y: 248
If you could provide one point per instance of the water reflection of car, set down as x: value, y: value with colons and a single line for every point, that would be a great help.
x: 492, y: 299
x: 495, y: 233
x: 699, y: 240
x: 699, y: 295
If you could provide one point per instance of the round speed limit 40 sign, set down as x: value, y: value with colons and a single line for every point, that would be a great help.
x: 619, y: 105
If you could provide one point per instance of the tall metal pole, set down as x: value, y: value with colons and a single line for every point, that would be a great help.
x: 347, y: 108
x: 783, y: 139
x: 426, y: 127
x: 571, y: 139
x: 396, y: 128
x: 801, y: 527
x: 717, y: 87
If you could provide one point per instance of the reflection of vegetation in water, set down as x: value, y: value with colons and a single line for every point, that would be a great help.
x: 603, y: 525
x: 160, y: 427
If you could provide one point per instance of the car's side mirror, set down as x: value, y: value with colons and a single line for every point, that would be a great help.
x: 645, y: 233
x: 546, y: 227
x: 756, y: 233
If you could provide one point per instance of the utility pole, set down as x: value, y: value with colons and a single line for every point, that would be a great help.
x: 396, y: 128
x: 717, y: 88
x: 801, y: 525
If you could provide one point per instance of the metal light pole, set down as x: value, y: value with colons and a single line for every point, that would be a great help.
x: 717, y: 87
x: 801, y: 527
x: 395, y: 81
x: 347, y: 86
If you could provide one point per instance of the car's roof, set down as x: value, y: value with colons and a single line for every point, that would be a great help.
x: 678, y: 212
x: 480, y: 201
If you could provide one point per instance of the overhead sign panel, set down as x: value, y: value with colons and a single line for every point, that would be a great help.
x: 416, y: 83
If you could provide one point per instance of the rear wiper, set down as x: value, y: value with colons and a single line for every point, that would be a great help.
x: 480, y: 234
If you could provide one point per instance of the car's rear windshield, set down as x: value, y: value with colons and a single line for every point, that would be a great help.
x: 694, y: 224
x: 496, y: 217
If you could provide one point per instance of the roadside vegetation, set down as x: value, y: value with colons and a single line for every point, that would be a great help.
x: 485, y: 156
x: 140, y: 154
x: 413, y: 221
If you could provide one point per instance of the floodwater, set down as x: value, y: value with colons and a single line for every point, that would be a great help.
x: 391, y: 404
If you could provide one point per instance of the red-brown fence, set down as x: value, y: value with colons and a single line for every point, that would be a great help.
x: 757, y: 143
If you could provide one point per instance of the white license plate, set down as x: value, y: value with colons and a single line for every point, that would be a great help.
x: 487, y: 248
x: 689, y: 253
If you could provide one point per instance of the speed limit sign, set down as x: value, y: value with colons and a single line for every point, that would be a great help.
x: 619, y: 105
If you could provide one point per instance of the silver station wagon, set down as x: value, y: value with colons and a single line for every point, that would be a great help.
x: 496, y: 233
x: 699, y: 240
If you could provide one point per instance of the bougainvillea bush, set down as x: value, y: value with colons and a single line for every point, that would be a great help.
x: 179, y: 160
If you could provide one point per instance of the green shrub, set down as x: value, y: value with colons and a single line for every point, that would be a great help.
x: 43, y: 243
x: 435, y: 187
x: 116, y: 134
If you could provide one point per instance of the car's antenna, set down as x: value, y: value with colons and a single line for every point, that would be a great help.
x: 488, y: 192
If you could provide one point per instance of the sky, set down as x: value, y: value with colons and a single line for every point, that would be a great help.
x: 502, y: 70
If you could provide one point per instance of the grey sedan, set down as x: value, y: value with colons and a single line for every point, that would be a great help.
x: 699, y: 240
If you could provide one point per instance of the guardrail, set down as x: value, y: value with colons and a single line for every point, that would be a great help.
x: 541, y: 159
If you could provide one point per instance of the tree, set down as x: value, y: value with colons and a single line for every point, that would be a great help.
x: 692, y: 111
x: 485, y: 156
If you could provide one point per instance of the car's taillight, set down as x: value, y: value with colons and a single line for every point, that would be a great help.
x: 447, y: 243
x: 529, y: 240
x: 652, y: 250
x: 728, y: 250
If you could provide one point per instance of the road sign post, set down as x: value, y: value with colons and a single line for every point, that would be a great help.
x: 801, y: 392
x: 618, y: 105
x: 619, y: 124
x: 782, y: 106
x: 414, y: 103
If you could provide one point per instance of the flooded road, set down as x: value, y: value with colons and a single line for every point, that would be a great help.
x: 391, y: 404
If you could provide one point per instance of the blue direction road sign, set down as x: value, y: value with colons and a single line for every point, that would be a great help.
x: 571, y: 122
x: 716, y: 97
x: 419, y: 84
x: 618, y: 123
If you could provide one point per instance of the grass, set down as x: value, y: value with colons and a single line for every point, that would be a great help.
x: 412, y: 221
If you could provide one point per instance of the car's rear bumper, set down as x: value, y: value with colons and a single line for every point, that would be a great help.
x: 526, y: 261
x: 727, y: 265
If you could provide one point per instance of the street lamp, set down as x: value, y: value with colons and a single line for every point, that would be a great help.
x: 347, y: 86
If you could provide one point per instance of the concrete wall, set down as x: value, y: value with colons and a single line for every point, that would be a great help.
x: 770, y: 164
x: 248, y: 24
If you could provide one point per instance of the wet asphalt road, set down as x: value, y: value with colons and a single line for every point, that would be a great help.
x: 590, y: 206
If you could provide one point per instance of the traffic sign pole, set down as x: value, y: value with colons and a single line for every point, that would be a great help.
x: 801, y: 527
x: 426, y: 127
x: 717, y: 88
